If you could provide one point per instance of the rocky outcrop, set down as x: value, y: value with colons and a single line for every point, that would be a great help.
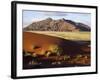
x: 57, y: 25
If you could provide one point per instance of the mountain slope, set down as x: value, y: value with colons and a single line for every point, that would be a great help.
x: 57, y: 25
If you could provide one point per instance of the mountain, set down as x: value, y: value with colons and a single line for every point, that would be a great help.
x: 57, y: 25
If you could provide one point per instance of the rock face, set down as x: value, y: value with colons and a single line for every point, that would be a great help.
x: 57, y: 25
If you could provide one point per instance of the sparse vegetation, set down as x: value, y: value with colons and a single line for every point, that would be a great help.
x: 34, y: 55
x: 55, y: 49
x: 66, y: 57
x: 27, y: 54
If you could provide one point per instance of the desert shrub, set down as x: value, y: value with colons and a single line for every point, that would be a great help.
x: 34, y: 55
x: 56, y: 49
x: 66, y: 57
x: 78, y: 56
x: 27, y: 53
x: 47, y: 53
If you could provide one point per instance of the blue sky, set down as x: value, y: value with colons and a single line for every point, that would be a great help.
x: 33, y: 16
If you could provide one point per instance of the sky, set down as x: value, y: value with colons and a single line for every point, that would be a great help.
x: 30, y: 16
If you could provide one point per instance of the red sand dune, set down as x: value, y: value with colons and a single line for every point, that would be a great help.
x: 44, y: 41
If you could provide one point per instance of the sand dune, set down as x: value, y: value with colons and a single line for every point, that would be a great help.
x: 44, y: 41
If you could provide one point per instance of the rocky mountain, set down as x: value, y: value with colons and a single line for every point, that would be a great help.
x: 57, y: 25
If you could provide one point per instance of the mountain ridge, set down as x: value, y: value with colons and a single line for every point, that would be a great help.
x: 50, y: 24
